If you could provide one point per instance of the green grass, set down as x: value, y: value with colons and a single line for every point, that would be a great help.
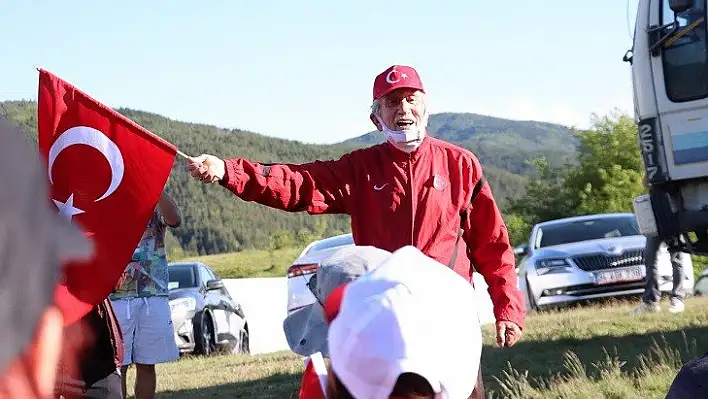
x: 261, y: 263
x: 250, y: 263
x: 582, y: 352
x: 622, y: 355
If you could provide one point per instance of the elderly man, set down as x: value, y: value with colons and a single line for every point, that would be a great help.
x: 411, y: 190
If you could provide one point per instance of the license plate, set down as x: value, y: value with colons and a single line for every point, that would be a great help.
x: 619, y: 275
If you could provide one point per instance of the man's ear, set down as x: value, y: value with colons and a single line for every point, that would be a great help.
x: 376, y: 122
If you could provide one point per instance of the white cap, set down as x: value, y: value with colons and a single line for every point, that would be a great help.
x: 411, y: 314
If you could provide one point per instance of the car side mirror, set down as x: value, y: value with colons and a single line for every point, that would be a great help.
x: 214, y: 285
x: 521, y: 250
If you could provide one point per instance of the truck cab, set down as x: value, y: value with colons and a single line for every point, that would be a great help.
x: 669, y: 68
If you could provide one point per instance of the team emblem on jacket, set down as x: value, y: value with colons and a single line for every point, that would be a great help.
x: 439, y: 182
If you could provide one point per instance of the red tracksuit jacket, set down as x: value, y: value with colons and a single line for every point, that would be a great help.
x: 396, y: 199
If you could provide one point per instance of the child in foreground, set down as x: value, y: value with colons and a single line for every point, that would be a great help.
x: 393, y: 334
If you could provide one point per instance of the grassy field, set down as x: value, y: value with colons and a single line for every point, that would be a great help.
x: 250, y: 263
x: 260, y: 263
x: 582, y: 352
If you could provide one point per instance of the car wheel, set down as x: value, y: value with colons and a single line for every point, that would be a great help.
x: 244, y: 345
x: 532, y: 303
x: 205, y: 335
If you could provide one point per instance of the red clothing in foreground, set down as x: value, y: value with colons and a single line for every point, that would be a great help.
x: 310, y: 387
x: 396, y: 199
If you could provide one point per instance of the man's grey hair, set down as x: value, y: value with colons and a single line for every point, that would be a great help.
x: 376, y: 107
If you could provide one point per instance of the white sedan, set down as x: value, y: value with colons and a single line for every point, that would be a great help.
x: 305, y: 267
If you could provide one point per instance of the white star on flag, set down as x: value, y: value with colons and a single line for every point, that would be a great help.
x: 67, y: 209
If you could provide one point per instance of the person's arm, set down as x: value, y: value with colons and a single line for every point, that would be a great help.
x: 170, y: 212
x: 490, y: 252
x: 317, y: 187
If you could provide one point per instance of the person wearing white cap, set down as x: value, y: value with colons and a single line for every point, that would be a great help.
x: 35, y: 242
x: 390, y: 338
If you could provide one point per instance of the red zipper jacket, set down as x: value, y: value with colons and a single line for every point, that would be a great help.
x: 396, y: 199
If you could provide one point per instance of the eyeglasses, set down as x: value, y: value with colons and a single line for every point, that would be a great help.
x: 394, y: 101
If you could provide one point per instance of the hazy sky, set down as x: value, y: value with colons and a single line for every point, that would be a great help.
x: 304, y: 70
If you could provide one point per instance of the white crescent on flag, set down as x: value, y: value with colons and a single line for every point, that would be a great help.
x: 93, y: 138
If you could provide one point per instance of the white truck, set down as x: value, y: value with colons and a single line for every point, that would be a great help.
x: 669, y: 64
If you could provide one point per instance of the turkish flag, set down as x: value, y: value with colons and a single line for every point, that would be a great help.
x: 106, y: 173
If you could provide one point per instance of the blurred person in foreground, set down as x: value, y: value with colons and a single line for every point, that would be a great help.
x: 691, y: 381
x: 387, y: 337
x: 34, y: 243
x: 92, y: 357
x: 413, y: 189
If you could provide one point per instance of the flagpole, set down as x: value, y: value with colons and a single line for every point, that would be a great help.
x: 183, y: 155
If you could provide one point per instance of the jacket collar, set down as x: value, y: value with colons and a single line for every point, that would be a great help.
x: 399, y: 155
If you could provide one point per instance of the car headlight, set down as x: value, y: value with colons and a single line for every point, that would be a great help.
x: 183, y: 305
x: 546, y: 266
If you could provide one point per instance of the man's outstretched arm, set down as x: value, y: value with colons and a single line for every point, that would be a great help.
x: 316, y: 187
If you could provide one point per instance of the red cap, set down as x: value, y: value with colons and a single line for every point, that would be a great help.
x: 396, y: 77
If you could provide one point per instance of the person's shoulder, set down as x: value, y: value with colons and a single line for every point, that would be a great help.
x: 455, y: 152
x: 365, y: 152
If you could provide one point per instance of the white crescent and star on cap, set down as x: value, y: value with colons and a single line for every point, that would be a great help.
x: 93, y: 138
x: 394, y: 76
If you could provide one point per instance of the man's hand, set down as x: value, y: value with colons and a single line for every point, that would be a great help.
x: 507, y: 333
x: 206, y: 168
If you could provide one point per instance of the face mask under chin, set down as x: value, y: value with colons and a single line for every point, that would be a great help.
x: 403, y: 146
x: 404, y: 140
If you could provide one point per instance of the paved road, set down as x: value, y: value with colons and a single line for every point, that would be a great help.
x: 264, y: 302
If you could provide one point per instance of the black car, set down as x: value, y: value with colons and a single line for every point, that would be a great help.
x: 204, y: 316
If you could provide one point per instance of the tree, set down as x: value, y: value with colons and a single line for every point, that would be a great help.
x: 518, y: 227
x: 610, y: 171
x: 607, y: 176
x: 281, y: 239
x: 304, y: 237
x: 545, y: 197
